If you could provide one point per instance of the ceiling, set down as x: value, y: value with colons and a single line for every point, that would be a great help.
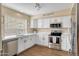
x: 28, y: 8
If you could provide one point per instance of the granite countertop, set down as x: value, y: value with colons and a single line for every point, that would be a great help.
x: 16, y: 36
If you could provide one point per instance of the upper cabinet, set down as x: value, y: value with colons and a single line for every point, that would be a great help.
x: 34, y: 23
x: 40, y: 23
x: 45, y: 22
x: 66, y: 22
x: 56, y: 20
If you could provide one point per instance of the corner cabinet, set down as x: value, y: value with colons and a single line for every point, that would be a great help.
x: 33, y: 23
x: 25, y: 42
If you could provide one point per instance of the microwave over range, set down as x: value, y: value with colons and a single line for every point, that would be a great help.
x: 56, y: 25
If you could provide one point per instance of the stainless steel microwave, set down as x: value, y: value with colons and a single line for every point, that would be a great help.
x: 56, y: 25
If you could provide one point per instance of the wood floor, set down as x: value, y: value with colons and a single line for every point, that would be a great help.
x: 42, y: 51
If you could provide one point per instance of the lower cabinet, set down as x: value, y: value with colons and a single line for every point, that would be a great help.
x: 25, y: 42
x: 20, y: 44
x: 65, y: 44
x: 28, y: 41
x: 42, y: 39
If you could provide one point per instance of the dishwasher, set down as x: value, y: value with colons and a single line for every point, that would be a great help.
x: 10, y: 48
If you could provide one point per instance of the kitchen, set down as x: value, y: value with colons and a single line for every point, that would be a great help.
x: 21, y: 31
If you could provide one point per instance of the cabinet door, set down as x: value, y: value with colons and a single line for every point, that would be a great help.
x: 28, y: 41
x: 34, y: 23
x: 68, y: 42
x: 56, y: 20
x: 39, y: 39
x: 20, y: 45
x: 45, y: 23
x: 36, y: 39
x: 45, y: 39
x: 64, y: 43
x: 66, y: 22
x: 39, y: 23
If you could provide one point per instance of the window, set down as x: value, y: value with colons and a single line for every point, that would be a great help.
x: 14, y: 26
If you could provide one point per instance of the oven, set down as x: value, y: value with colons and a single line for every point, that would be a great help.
x: 55, y: 40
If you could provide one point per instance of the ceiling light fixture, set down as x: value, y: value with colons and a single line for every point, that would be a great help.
x: 37, y: 6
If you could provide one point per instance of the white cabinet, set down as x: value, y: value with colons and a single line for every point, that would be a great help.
x: 39, y: 39
x: 20, y: 45
x: 42, y: 39
x: 28, y: 41
x: 40, y: 23
x: 35, y: 39
x: 34, y: 23
x: 25, y: 42
x: 56, y: 20
x: 66, y: 22
x: 46, y: 23
x: 65, y: 44
x: 43, y: 23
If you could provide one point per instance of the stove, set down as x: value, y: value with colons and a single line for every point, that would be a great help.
x: 55, y: 40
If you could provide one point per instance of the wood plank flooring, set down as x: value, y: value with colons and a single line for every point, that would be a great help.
x: 42, y: 51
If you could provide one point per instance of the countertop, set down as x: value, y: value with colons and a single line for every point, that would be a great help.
x: 16, y: 36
